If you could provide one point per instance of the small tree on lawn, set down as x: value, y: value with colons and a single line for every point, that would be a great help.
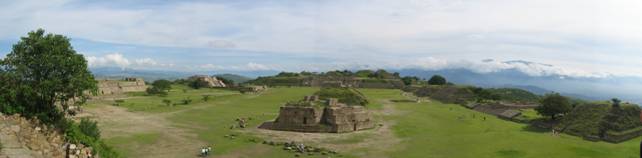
x: 553, y: 105
x: 206, y: 98
x: 616, y: 102
x: 162, y: 85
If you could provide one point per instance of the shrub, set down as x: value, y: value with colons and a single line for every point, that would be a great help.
x: 197, y: 84
x: 167, y: 102
x: 76, y: 133
x: 186, y: 101
x: 206, y: 98
x: 89, y: 128
x: 118, y: 102
x: 155, y: 91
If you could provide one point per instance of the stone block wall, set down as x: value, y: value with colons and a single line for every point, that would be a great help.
x: 335, y: 118
x: 110, y: 87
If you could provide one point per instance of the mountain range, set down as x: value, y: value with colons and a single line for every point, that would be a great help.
x: 590, y: 88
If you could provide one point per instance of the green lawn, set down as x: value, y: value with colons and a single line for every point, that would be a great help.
x: 447, y: 130
x: 427, y: 129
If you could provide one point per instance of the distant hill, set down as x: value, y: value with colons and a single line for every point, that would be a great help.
x: 234, y: 77
x: 625, y: 88
x: 151, y: 75
x: 148, y: 75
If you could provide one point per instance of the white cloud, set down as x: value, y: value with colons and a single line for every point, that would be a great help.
x: 582, y: 35
x: 251, y: 66
x: 114, y: 60
x: 118, y: 60
x: 146, y: 62
x: 491, y: 65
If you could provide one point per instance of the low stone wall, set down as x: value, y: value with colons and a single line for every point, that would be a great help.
x: 28, y: 138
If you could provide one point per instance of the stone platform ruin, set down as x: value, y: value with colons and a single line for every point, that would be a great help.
x: 211, y: 81
x: 312, y: 115
x: 110, y: 87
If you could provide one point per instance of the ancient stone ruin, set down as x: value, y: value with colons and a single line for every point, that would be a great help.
x: 252, y: 89
x: 313, y: 115
x: 110, y: 87
x: 21, y: 137
x: 211, y: 81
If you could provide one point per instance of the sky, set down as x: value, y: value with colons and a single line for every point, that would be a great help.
x: 579, y: 38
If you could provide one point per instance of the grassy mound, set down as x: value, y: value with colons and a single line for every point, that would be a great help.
x: 349, y: 96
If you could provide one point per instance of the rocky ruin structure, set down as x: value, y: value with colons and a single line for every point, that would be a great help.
x: 252, y: 89
x: 21, y: 137
x: 312, y: 115
x: 110, y: 87
x: 212, y: 81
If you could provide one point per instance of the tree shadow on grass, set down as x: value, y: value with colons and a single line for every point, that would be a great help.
x: 403, y: 101
x: 533, y: 128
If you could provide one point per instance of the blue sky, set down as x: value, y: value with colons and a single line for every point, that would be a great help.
x: 581, y: 38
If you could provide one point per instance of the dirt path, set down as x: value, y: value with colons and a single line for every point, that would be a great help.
x: 377, y: 141
x: 174, y: 141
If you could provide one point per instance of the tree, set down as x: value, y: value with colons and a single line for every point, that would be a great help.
x: 408, y: 80
x: 42, y: 71
x: 437, y: 80
x: 553, y: 105
x: 197, y: 84
x: 616, y: 102
x: 163, y: 85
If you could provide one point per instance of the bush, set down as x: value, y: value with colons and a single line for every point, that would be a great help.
x: 167, y: 102
x: 206, y: 98
x: 89, y: 128
x: 197, y: 84
x: 118, y: 102
x: 155, y: 91
x: 78, y: 133
x: 186, y: 101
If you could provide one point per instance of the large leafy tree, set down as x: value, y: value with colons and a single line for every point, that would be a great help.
x: 43, y: 73
x: 553, y: 105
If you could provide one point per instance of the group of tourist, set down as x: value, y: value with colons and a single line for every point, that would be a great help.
x: 205, y: 151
